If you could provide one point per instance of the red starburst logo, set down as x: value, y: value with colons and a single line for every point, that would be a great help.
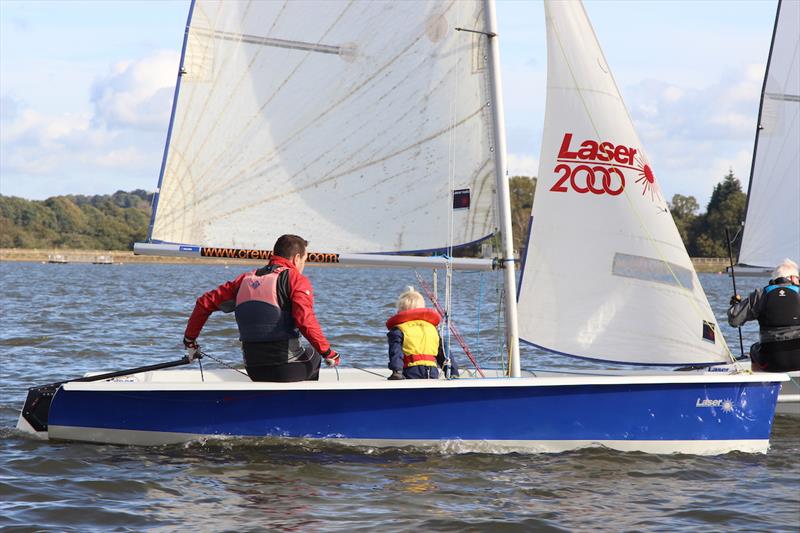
x: 647, y: 179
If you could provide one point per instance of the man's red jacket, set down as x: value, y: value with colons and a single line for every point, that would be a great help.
x: 301, y: 295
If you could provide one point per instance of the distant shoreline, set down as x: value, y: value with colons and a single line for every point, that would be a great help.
x: 701, y: 264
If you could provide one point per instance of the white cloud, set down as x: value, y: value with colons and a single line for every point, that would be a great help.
x: 136, y: 94
x: 734, y: 121
x: 673, y: 94
x: 693, y: 136
x: 9, y: 107
x: 117, y: 145
x: 123, y: 157
x: 522, y: 165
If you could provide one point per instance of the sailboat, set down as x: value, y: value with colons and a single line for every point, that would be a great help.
x: 375, y: 129
x: 772, y: 223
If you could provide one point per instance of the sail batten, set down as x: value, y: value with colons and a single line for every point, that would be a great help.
x: 607, y: 276
x: 353, y: 124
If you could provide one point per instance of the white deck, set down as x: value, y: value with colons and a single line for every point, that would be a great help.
x: 375, y: 378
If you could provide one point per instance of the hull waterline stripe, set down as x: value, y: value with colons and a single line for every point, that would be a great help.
x: 704, y: 447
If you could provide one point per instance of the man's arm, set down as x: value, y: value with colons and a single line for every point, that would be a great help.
x: 303, y: 312
x: 747, y: 309
x: 210, y: 302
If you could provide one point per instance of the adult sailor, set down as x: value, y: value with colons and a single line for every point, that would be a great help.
x: 777, y: 309
x: 273, y: 306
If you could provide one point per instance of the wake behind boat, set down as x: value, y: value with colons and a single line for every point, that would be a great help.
x: 372, y: 137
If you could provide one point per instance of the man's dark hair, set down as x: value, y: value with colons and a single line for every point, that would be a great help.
x: 287, y: 246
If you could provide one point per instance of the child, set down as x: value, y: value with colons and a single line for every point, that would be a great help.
x: 415, y: 350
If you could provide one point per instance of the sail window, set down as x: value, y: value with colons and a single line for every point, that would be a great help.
x: 709, y: 332
x: 461, y: 199
x: 655, y: 270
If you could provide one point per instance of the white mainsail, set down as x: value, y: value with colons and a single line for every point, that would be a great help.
x: 606, y: 275
x: 772, y: 223
x: 358, y: 125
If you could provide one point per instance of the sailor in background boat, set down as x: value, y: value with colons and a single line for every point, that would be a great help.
x: 271, y: 304
x: 415, y: 349
x: 777, y: 309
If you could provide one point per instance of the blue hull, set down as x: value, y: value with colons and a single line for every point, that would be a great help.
x: 738, y: 411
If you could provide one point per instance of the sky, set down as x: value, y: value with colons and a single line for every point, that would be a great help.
x: 86, y: 88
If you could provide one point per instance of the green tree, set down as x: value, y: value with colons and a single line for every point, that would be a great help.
x: 106, y: 222
x: 522, y: 190
x: 684, y: 212
x: 726, y: 209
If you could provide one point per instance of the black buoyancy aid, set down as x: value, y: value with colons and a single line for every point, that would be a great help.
x: 263, y: 307
x: 781, y: 306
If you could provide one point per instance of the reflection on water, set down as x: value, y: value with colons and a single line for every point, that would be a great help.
x: 63, y: 320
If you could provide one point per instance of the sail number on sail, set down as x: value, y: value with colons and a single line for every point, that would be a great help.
x: 604, y: 177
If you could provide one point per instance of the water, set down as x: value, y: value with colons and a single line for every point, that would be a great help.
x: 58, y: 321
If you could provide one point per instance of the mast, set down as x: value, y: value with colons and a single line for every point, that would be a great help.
x: 503, y: 195
x: 181, y: 72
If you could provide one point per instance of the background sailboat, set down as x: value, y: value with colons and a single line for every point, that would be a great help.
x: 772, y: 224
x: 374, y: 118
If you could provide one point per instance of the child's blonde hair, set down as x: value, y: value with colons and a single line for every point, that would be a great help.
x: 410, y: 299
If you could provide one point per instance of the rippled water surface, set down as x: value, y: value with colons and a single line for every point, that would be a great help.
x: 59, y: 321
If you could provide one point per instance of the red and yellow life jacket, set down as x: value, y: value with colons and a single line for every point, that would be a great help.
x: 420, y: 338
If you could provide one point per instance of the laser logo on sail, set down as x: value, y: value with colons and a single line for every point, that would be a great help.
x: 593, y: 167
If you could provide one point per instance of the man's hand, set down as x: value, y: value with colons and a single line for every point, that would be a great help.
x: 192, y: 349
x: 735, y: 299
x: 332, y: 358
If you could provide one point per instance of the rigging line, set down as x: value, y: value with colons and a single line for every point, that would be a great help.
x: 451, y: 175
x: 736, y: 236
x: 499, y: 288
x: 363, y: 370
x: 733, y: 277
x: 650, y: 238
x: 223, y: 363
x: 480, y: 305
x: 452, y: 326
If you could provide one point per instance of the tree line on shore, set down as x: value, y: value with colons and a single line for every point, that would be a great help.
x: 116, y: 221
x: 101, y: 222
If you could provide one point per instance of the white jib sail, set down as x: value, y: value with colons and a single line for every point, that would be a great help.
x: 772, y: 223
x: 355, y: 124
x: 606, y: 275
